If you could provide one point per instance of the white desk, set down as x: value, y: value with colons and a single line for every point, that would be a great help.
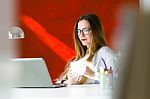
x: 92, y: 91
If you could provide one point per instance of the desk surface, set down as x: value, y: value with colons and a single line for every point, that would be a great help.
x: 91, y: 91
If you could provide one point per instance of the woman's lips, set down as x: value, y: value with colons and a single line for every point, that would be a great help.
x: 83, y: 39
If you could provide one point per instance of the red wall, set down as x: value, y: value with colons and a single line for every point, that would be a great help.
x: 48, y: 26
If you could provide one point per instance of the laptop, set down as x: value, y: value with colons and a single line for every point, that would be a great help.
x: 32, y: 73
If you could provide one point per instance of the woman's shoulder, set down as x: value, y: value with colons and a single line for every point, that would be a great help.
x: 105, y: 49
x: 105, y: 52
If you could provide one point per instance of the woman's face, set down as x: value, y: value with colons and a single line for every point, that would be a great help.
x: 84, y: 32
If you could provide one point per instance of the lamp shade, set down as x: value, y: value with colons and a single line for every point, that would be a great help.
x: 15, y: 33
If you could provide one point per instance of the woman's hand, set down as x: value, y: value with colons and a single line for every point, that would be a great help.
x: 73, y: 77
x: 83, y: 68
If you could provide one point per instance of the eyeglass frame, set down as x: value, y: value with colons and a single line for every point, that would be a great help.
x: 82, y: 31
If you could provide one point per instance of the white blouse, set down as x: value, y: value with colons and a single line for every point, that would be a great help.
x: 105, y: 56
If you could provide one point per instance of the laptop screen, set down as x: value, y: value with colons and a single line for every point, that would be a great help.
x: 32, y: 72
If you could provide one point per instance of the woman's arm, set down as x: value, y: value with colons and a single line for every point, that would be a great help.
x: 105, y: 57
x: 89, y: 73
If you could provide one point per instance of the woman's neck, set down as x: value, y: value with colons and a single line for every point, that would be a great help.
x: 88, y: 51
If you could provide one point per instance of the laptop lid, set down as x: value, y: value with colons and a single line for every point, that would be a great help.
x: 32, y: 72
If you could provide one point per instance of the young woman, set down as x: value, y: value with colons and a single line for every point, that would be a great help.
x: 92, y: 52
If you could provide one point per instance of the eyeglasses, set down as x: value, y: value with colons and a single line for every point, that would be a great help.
x: 85, y: 31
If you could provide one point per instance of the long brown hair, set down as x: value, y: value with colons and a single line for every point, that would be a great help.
x: 96, y: 43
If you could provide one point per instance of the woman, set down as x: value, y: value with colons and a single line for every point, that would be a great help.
x: 91, y: 52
